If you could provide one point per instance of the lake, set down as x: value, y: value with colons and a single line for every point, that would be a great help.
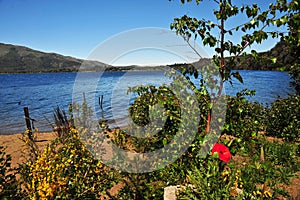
x: 42, y: 93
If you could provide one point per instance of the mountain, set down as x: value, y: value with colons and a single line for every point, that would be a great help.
x: 265, y: 60
x: 19, y: 59
x: 277, y: 58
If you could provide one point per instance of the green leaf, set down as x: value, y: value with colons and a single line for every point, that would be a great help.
x: 165, y: 141
x: 216, y: 155
x: 282, y: 69
x: 238, y: 77
x: 240, y: 110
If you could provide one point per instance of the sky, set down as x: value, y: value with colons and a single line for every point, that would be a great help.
x: 77, y: 28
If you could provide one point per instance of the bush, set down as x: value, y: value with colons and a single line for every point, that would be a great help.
x: 67, y: 171
x: 9, y: 186
x: 243, y: 118
x: 159, y: 109
x: 213, y: 179
x: 283, y: 118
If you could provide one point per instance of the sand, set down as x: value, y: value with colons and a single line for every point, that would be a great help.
x: 16, y: 147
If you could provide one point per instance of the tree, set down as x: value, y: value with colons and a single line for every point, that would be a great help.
x: 253, y: 31
x: 216, y: 33
x: 290, y: 18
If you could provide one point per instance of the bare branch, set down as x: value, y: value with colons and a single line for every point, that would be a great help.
x: 192, y: 47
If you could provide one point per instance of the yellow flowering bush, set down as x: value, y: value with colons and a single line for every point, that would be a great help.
x: 67, y: 171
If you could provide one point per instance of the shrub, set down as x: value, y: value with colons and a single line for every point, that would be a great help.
x: 278, y: 153
x: 243, y: 118
x: 9, y: 186
x: 67, y: 171
x: 158, y: 105
x: 283, y: 118
x: 212, y: 179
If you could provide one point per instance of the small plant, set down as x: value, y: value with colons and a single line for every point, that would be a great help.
x: 81, y: 115
x: 10, y: 188
x: 273, y: 163
x: 30, y: 142
x: 212, y: 179
x: 62, y: 124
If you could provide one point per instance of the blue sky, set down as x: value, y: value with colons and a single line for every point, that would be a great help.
x: 76, y: 27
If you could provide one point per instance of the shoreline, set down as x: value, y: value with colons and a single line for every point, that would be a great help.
x: 134, y: 69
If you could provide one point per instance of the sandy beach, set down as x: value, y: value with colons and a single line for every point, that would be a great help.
x: 16, y: 147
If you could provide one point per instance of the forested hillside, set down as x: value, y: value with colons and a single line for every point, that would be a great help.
x: 19, y: 59
x: 279, y: 56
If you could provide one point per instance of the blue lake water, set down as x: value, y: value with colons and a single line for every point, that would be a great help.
x: 44, y: 92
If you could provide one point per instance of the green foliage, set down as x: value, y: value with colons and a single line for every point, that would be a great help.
x: 209, y: 181
x: 159, y: 111
x: 253, y: 32
x: 243, y: 118
x: 283, y: 154
x: 294, y: 71
x: 67, y: 170
x: 159, y: 108
x: 150, y: 96
x: 291, y: 19
x: 264, y: 181
x: 282, y: 118
x: 280, y: 57
x: 278, y: 166
x: 10, y: 188
x: 142, y: 185
x: 81, y: 115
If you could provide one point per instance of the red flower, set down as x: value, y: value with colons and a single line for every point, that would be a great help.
x: 223, y: 151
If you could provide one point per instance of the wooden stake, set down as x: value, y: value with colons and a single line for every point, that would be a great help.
x: 28, y: 124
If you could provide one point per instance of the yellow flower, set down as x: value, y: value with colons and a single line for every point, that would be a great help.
x: 73, y: 130
x: 267, y: 194
x: 256, y: 193
x: 32, y: 184
x: 27, y: 131
x: 99, y: 164
x: 225, y: 175
x: 73, y: 152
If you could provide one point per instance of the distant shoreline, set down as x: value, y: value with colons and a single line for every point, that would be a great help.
x: 141, y: 69
x: 115, y: 69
